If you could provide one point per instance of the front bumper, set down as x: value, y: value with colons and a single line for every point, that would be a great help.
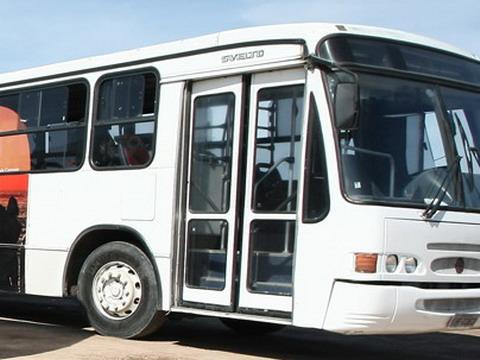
x: 377, y: 309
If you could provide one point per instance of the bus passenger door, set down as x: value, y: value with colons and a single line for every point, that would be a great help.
x: 211, y: 201
x: 272, y: 182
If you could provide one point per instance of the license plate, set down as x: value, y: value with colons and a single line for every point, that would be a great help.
x: 462, y: 321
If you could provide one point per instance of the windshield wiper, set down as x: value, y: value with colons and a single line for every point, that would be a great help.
x: 476, y: 153
x: 470, y: 152
x: 467, y: 148
x: 434, y: 205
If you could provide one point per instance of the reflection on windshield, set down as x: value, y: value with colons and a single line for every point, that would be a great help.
x: 407, y: 141
x: 464, y: 112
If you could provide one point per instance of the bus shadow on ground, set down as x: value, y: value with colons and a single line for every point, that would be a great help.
x: 59, y: 324
x: 22, y: 339
x: 296, y: 343
x: 39, y: 327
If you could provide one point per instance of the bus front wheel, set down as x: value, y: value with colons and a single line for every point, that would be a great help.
x: 118, y: 288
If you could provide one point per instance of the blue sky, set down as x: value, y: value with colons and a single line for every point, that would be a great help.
x: 36, y: 32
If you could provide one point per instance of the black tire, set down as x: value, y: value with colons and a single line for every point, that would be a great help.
x: 251, y: 328
x: 139, y: 322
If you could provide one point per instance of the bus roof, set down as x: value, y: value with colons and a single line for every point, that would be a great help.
x: 310, y: 33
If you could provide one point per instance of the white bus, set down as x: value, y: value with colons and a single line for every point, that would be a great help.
x: 314, y: 175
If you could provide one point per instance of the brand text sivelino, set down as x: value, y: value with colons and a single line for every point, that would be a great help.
x: 243, y: 56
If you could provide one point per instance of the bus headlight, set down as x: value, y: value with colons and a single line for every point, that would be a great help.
x: 391, y: 263
x: 410, y: 264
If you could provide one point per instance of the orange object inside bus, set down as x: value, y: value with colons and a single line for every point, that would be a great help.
x: 14, y: 151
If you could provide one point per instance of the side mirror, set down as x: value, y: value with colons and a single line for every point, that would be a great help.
x: 346, y: 101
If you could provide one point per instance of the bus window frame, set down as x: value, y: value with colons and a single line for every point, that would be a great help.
x: 154, y: 118
x: 426, y: 78
x: 394, y: 74
x: 190, y: 148
x: 255, y: 124
x: 313, y: 116
x: 44, y: 129
x: 399, y: 72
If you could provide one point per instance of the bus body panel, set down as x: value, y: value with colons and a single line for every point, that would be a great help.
x: 44, y: 272
x: 372, y: 309
x: 437, y: 246
x: 140, y: 199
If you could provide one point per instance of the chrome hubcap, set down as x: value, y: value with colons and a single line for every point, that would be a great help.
x: 117, y: 290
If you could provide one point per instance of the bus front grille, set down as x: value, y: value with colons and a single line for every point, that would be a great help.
x: 450, y: 306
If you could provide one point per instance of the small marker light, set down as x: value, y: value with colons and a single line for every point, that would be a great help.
x: 366, y: 263
x: 410, y: 264
x: 391, y: 263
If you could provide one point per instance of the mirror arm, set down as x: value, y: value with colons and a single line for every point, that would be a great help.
x: 314, y: 60
x: 349, y: 118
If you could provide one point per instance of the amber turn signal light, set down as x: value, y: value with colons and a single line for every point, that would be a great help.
x: 366, y: 263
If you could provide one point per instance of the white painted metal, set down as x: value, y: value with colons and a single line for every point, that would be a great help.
x: 373, y: 309
x: 219, y: 297
x: 247, y: 298
x: 317, y: 250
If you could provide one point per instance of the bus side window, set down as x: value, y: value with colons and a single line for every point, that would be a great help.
x: 124, y: 127
x: 315, y: 199
x: 49, y: 126
x: 15, y: 150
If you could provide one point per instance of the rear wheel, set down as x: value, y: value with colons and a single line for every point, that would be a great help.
x: 119, y: 290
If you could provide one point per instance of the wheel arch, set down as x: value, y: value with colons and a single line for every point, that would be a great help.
x: 92, y: 238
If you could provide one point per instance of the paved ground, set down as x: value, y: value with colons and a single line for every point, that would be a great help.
x: 56, y: 331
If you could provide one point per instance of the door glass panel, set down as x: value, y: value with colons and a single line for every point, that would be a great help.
x: 271, y: 256
x: 278, y: 129
x: 211, y: 157
x: 207, y: 254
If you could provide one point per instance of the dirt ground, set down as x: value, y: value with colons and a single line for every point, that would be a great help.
x: 57, y: 330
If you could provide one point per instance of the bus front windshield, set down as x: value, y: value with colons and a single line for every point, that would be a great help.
x: 414, y: 140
